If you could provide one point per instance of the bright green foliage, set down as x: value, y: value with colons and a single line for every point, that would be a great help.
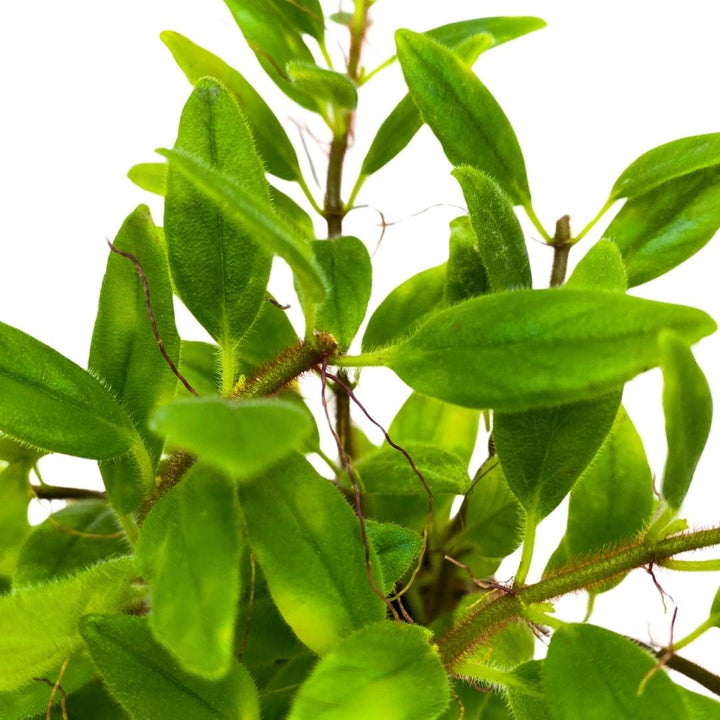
x: 460, y: 110
x: 15, y: 496
x: 385, y: 670
x: 149, y: 684
x: 150, y: 176
x: 501, y: 351
x: 52, y: 552
x: 326, y: 86
x: 405, y: 307
x: 345, y: 262
x: 500, y: 238
x: 699, y: 707
x: 200, y: 366
x: 48, y: 401
x: 90, y: 702
x: 466, y: 276
x: 606, y: 671
x: 124, y: 351
x: 292, y: 212
x: 601, y: 269
x: 476, y: 705
x: 525, y: 694
x: 12, y: 451
x: 715, y: 608
x: 544, y: 451
x: 277, y: 695
x: 39, y: 625
x: 189, y: 553
x: 321, y: 588
x: 273, y: 144
x: 240, y: 438
x: 397, y: 549
x: 688, y: 414
x: 220, y: 268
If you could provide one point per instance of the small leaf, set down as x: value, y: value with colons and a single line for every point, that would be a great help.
x: 405, y: 307
x: 466, y: 273
x: 39, y: 625
x: 240, y: 438
x: 688, y: 415
x: 466, y: 118
x: 385, y: 670
x: 526, y: 696
x: 503, y: 351
x: 320, y: 587
x: 12, y: 451
x: 219, y: 266
x: 327, y: 86
x: 715, y: 607
x: 273, y: 144
x: 150, y: 176
x: 189, y: 552
x: 606, y: 671
x: 397, y: 549
x: 149, y: 684
x: 500, y: 238
x: 15, y: 497
x: 199, y: 365
x: 292, y: 212
x: 502, y: 29
x: 48, y: 401
x: 54, y: 549
x: 600, y: 269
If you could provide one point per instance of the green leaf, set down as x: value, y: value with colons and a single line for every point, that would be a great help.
x: 149, y: 684
x: 273, y: 144
x: 277, y: 695
x: 219, y: 265
x: 124, y: 351
x: 502, y: 29
x: 13, y: 451
x: 304, y: 15
x: 667, y: 162
x: 688, y: 415
x: 500, y: 238
x: 53, y: 552
x: 466, y: 118
x: 385, y: 670
x: 715, y: 607
x: 612, y: 500
x: 606, y: 671
x: 244, y: 208
x: 405, y: 307
x: 397, y: 549
x: 601, y: 268
x: 476, y: 705
x: 240, y: 438
x: 150, y: 176
x: 699, y: 707
x: 90, y: 702
x: 199, y: 365
x: 345, y: 262
x: 307, y: 541
x: 189, y: 552
x: 327, y: 86
x: 659, y: 229
x: 39, y: 625
x: 466, y: 274
x: 48, y: 401
x: 526, y: 696
x: 15, y: 495
x: 544, y: 451
x: 504, y: 351
x: 292, y: 212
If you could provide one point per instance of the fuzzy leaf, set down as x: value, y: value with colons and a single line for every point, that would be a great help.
x: 385, y: 670
x: 397, y: 549
x: 292, y: 212
x: 199, y: 365
x: 327, y: 86
x: 466, y: 274
x: 150, y: 176
x: 149, y: 684
x: 600, y: 269
x: 278, y: 694
x: 15, y: 495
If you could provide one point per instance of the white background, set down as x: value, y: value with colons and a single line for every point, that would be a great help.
x: 88, y: 90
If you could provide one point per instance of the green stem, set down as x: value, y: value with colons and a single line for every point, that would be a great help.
x: 378, y: 69
x: 535, y: 220
x: 365, y: 360
x: 130, y: 527
x: 227, y: 355
x: 355, y: 191
x: 692, y: 565
x: 489, y: 617
x: 329, y: 461
x: 712, y: 621
x: 527, y: 550
x: 594, y: 221
x: 311, y: 199
x: 147, y: 472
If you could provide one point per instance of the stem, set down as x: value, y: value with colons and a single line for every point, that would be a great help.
x: 562, y: 242
x: 228, y: 369
x: 55, y: 492
x: 130, y: 527
x: 692, y: 565
x: 379, y: 68
x: 594, y: 221
x: 353, y: 195
x: 490, y: 616
x: 535, y: 220
x: 712, y: 621
x: 365, y: 360
x: 527, y: 550
x: 308, y: 194
x: 334, y: 209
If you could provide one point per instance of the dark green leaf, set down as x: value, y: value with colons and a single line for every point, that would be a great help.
x: 15, y: 497
x: 91, y: 702
x: 397, y: 549
x: 405, y: 307
x: 189, y: 552
x: 476, y: 705
x: 532, y: 348
x: 500, y: 238
x: 460, y: 110
x: 326, y: 86
x: 661, y: 228
x: 53, y: 552
x: 48, y: 401
x: 606, y: 671
x: 200, y: 366
x: 150, y: 176
x: 466, y: 273
x: 600, y: 269
x: 273, y: 144
x: 688, y: 415
x: 320, y: 586
x: 385, y: 670
x: 277, y: 695
x: 293, y: 213
x: 149, y: 684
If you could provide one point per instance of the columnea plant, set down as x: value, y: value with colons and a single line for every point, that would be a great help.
x: 219, y: 575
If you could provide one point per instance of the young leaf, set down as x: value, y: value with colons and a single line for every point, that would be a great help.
x: 239, y: 438
x: 200, y: 366
x: 661, y: 228
x: 151, y: 686
x: 327, y: 86
x: 544, y: 451
x: 502, y: 29
x: 466, y: 274
x: 15, y: 497
x: 189, y: 552
x: 48, y: 401
x: 405, y: 307
x: 466, y: 118
x: 526, y: 695
x: 150, y: 176
x: 273, y: 144
x: 53, y: 552
x: 667, y: 162
x: 600, y: 269
x: 292, y: 212
x: 219, y: 265
x: 385, y: 670
x: 307, y: 541
x: 688, y: 415
x: 39, y: 625
x: 532, y: 348
x: 594, y: 674
x: 397, y: 549
x: 500, y: 238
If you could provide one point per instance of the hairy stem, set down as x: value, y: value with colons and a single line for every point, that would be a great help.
x: 562, y: 242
